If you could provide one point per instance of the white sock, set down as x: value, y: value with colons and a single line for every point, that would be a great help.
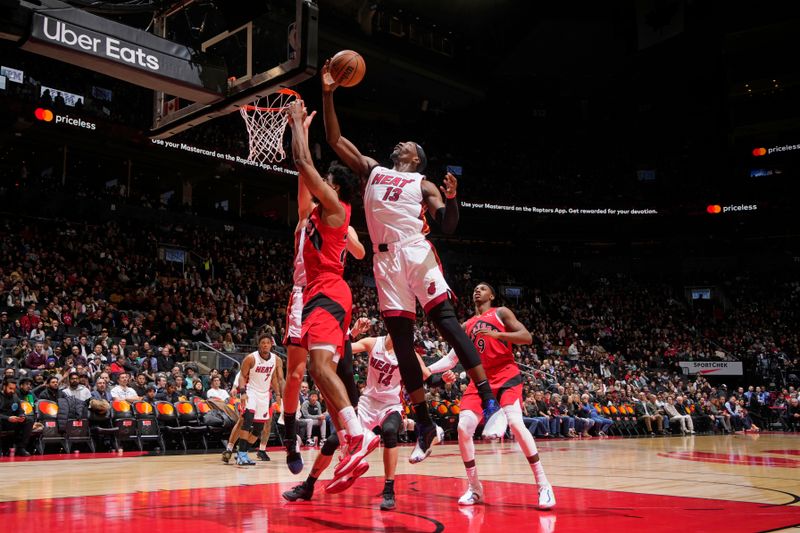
x: 350, y: 421
x: 472, y: 477
x: 341, y: 434
x: 229, y: 447
x: 538, y: 473
x: 262, y: 446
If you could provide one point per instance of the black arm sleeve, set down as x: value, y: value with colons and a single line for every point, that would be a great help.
x: 447, y: 216
x: 434, y: 380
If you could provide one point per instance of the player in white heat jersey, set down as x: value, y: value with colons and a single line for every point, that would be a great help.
x: 261, y: 370
x: 380, y: 405
x: 380, y: 408
x: 406, y: 266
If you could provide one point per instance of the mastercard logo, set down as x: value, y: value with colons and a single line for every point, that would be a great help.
x: 714, y: 209
x: 758, y: 152
x: 43, y: 114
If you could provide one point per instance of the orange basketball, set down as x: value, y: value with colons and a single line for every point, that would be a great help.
x: 347, y: 68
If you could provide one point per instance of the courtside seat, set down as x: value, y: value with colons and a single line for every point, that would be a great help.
x: 123, y: 420
x: 212, y: 419
x: 168, y: 423
x: 188, y: 416
x: 103, y: 430
x: 47, y: 414
x: 76, y: 427
x: 147, y: 424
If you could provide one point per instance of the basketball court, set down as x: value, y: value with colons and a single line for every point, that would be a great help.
x: 699, y: 483
x: 707, y: 483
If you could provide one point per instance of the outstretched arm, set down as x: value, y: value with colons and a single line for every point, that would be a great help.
x: 445, y: 213
x: 305, y: 165
x: 354, y: 245
x: 442, y: 366
x: 304, y: 200
x: 346, y: 150
x: 445, y: 363
x: 363, y: 345
x: 515, y: 333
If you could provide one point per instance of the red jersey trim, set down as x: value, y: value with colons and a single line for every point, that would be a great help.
x: 398, y: 312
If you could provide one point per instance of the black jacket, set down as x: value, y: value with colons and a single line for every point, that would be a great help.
x: 164, y: 397
x: 10, y: 406
x: 46, y: 394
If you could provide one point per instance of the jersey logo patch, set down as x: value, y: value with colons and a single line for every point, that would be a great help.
x: 313, y: 235
x: 432, y: 288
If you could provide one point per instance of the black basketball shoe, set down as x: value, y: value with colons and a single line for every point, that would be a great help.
x: 300, y: 492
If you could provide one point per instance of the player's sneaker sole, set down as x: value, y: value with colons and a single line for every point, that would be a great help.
x: 369, y: 441
x: 345, y: 482
x: 417, y: 455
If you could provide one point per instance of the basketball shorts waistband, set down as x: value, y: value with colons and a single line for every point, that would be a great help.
x: 392, y: 246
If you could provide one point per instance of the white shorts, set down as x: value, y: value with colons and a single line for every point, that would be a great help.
x: 372, y: 414
x: 328, y: 348
x: 294, y: 317
x: 407, y: 272
x: 258, y: 402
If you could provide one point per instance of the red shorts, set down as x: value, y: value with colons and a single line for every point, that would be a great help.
x: 506, y: 385
x: 327, y: 310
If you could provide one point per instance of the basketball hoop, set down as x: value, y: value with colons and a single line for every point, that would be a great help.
x: 267, y: 124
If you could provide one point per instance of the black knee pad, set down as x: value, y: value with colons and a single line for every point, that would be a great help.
x: 390, y: 428
x: 442, y: 311
x: 256, y: 429
x: 247, y: 421
x: 331, y: 443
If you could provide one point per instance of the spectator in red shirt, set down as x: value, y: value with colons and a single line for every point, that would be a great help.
x: 29, y: 321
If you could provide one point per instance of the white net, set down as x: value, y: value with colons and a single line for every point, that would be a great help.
x: 266, y: 124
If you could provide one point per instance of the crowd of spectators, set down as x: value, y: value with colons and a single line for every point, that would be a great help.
x: 93, y: 311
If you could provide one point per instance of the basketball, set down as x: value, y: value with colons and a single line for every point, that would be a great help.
x: 347, y: 68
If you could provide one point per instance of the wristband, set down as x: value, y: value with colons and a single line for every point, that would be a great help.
x: 242, y: 390
x: 450, y: 197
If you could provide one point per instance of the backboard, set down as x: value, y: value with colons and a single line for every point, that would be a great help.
x: 266, y: 46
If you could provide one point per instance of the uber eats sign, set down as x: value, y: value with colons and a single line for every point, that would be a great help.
x: 96, y: 43
x: 81, y: 39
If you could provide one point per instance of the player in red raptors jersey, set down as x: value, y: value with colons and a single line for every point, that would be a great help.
x: 296, y: 355
x: 405, y: 264
x: 327, y: 301
x: 494, y: 331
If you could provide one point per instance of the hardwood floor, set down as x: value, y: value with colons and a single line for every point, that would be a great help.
x: 731, y: 483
